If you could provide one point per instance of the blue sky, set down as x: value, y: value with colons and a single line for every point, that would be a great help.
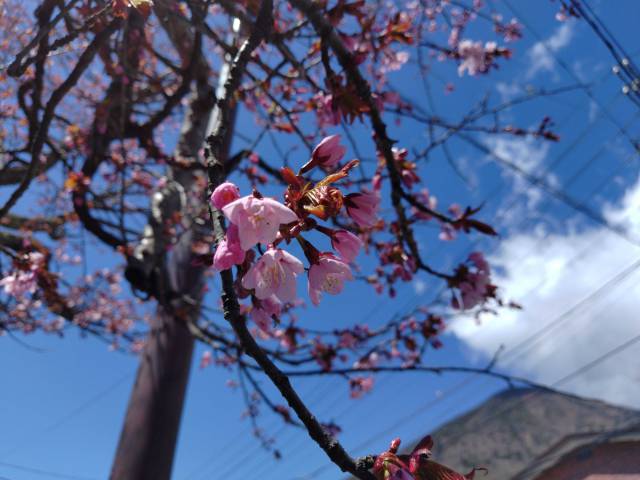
x: 62, y: 402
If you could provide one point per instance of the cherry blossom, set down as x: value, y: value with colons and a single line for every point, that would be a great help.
x: 415, y: 466
x: 474, y: 285
x: 263, y: 313
x: 24, y: 279
x: 358, y: 386
x: 429, y: 201
x: 476, y: 58
x: 328, y: 275
x: 326, y: 112
x: 258, y: 219
x: 274, y: 274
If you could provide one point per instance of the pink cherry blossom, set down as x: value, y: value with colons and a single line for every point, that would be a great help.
x: 362, y: 207
x: 360, y: 385
x: 472, y: 56
x: 328, y: 275
x: 20, y: 282
x: 477, y: 58
x: 329, y: 152
x: 206, y: 359
x: 393, y: 61
x: 262, y: 315
x: 477, y: 258
x: 346, y: 244
x: 428, y: 201
x: 224, y: 194
x: 476, y: 285
x: 274, y: 274
x: 447, y: 233
x: 512, y: 31
x: 325, y: 111
x: 229, y: 251
x: 258, y: 219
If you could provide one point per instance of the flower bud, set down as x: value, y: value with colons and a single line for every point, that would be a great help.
x: 224, y: 194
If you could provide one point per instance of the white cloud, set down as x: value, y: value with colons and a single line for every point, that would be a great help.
x: 419, y: 286
x: 529, y: 155
x: 541, y: 53
x: 549, y: 274
x: 508, y: 91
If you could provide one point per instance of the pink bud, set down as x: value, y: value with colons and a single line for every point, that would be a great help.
x: 363, y: 207
x: 224, y: 194
x: 346, y: 244
x: 229, y: 251
x: 329, y: 152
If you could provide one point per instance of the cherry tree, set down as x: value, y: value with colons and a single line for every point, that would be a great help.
x: 118, y: 131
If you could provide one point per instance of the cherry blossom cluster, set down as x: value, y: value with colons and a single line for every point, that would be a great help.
x: 417, y: 465
x: 566, y: 11
x: 255, y: 220
x: 477, y: 58
x: 472, y: 281
x: 93, y: 303
x: 23, y: 279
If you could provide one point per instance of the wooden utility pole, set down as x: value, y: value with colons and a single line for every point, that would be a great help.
x: 148, y: 438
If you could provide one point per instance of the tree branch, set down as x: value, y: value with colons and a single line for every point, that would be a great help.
x: 231, y: 306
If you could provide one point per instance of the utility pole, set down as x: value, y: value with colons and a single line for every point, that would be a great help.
x: 148, y: 438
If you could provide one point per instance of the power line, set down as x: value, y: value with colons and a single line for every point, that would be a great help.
x: 625, y: 64
x: 47, y: 473
x: 607, y: 31
x: 250, y: 459
x: 560, y: 195
x: 576, y: 373
x: 561, y: 156
x: 550, y: 326
x: 617, y: 279
x: 247, y: 461
x: 608, y: 285
x: 539, y: 334
x: 72, y: 413
x: 566, y: 68
x: 247, y: 458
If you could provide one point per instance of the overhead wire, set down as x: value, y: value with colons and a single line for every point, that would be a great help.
x: 69, y: 415
x: 616, y: 279
x: 604, y: 288
x: 238, y: 455
x: 42, y: 472
x: 592, y: 158
x: 623, y: 130
x: 625, y: 64
x: 571, y: 73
